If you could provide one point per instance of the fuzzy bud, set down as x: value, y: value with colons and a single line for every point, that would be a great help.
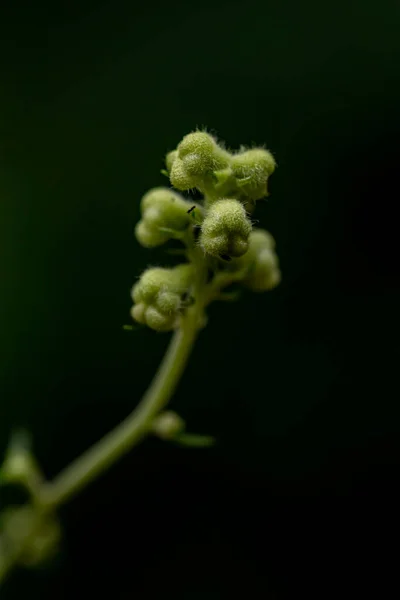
x: 167, y: 425
x: 198, y: 156
x: 180, y: 178
x: 226, y: 229
x: 162, y: 209
x: 252, y: 169
x: 197, y: 150
x: 158, y: 296
x: 263, y: 265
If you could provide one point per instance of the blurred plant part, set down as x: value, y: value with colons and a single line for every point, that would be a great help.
x: 19, y: 466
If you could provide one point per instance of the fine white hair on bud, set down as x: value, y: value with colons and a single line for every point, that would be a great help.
x: 225, y: 230
x: 197, y: 151
x: 252, y: 169
x: 180, y: 178
x: 197, y: 156
x: 164, y: 216
x: 157, y: 296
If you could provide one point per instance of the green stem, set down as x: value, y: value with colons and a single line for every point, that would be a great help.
x: 120, y: 440
x: 126, y: 435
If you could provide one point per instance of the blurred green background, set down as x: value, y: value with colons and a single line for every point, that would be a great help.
x: 300, y: 386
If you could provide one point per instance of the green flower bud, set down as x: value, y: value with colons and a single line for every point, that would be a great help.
x: 168, y: 302
x: 159, y: 321
x: 198, y: 156
x: 263, y: 279
x: 149, y: 238
x: 226, y: 229
x: 151, y: 282
x: 252, y: 169
x: 197, y: 143
x: 179, y: 177
x: 162, y: 209
x: 158, y: 296
x: 263, y: 265
x: 138, y: 313
x: 260, y: 239
x: 167, y: 425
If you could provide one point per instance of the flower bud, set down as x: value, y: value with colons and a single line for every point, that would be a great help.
x: 149, y: 238
x: 226, y: 229
x: 162, y: 209
x: 263, y: 265
x: 150, y: 284
x: 158, y: 296
x: 196, y: 151
x: 179, y: 177
x: 252, y: 169
x: 159, y: 321
x: 167, y: 425
x: 198, y: 155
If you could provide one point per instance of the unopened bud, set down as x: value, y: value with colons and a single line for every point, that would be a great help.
x: 164, y: 215
x: 158, y: 296
x: 261, y: 261
x: 167, y: 425
x: 252, y: 169
x: 198, y: 156
x: 226, y: 229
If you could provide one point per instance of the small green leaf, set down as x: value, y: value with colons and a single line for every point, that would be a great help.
x: 132, y: 327
x: 194, y: 440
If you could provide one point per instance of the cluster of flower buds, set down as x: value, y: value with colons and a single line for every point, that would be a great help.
x: 158, y: 296
x: 200, y: 162
x: 231, y: 183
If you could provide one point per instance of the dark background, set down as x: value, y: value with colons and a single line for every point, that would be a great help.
x: 300, y: 386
